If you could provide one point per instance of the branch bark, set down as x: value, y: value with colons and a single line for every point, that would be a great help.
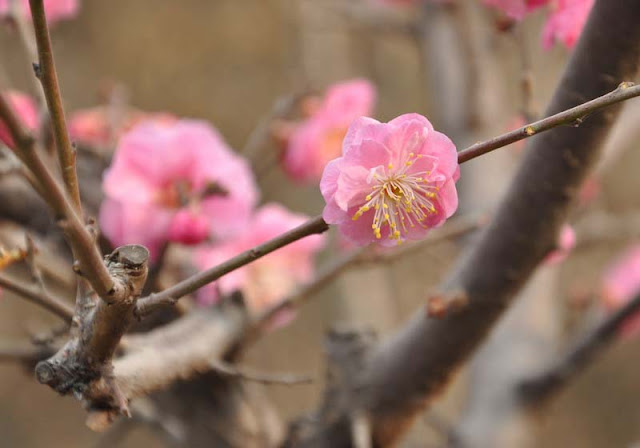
x: 53, y: 304
x: 406, y: 370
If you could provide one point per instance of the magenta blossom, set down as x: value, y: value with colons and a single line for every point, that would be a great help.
x: 318, y: 140
x: 565, y: 22
x: 268, y: 280
x: 55, y: 10
x: 516, y: 9
x: 25, y: 109
x: 564, y: 245
x: 621, y: 283
x: 394, y: 181
x: 175, y: 181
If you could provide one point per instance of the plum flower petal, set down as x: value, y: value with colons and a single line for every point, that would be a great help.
x: 55, y: 10
x: 516, y: 9
x: 565, y: 22
x: 318, y: 139
x: 182, y: 171
x: 266, y: 281
x: 565, y: 244
x: 26, y: 111
x: 394, y: 182
x: 620, y: 284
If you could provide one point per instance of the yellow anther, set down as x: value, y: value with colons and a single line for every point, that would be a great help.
x: 390, y: 166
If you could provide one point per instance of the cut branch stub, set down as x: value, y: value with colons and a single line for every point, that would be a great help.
x: 83, y: 366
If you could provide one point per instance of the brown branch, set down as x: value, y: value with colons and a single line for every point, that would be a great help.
x: 171, y: 295
x: 536, y: 391
x: 46, y: 73
x: 456, y: 228
x: 90, y: 263
x: 22, y: 352
x: 84, y: 364
x: 285, y: 379
x: 574, y: 116
x: 407, y: 369
x: 53, y: 304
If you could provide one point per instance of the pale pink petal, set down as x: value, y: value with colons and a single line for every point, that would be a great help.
x: 621, y: 283
x: 55, y: 10
x: 564, y: 245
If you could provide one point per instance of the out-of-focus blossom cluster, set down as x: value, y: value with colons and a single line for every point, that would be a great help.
x: 55, y: 10
x: 311, y: 143
x: 621, y: 283
x: 178, y: 181
x: 564, y: 23
x: 394, y: 182
x: 101, y: 127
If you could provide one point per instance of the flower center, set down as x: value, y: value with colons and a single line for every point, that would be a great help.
x: 401, y: 199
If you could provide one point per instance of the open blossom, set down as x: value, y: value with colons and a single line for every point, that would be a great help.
x: 175, y: 181
x: 26, y: 111
x: 318, y: 139
x: 394, y: 181
x: 268, y: 280
x: 95, y: 127
x: 55, y: 10
x: 564, y: 245
x: 516, y: 9
x: 565, y: 22
x: 621, y: 283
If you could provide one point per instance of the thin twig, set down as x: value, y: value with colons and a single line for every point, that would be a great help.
x: 536, y: 390
x: 325, y: 276
x: 53, y: 304
x: 574, y: 116
x: 171, y: 295
x: 285, y: 379
x: 81, y: 241
x: 46, y: 73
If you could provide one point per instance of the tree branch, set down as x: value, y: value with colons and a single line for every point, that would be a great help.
x: 406, y: 370
x: 46, y: 73
x: 171, y: 295
x: 536, y: 391
x: 53, y: 304
x: 574, y: 117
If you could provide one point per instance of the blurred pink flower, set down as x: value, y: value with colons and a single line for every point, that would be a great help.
x: 394, y: 181
x: 268, y: 280
x: 94, y: 126
x: 55, y: 10
x: 564, y: 245
x: 175, y: 181
x: 318, y: 140
x: 516, y: 9
x: 621, y: 283
x: 26, y: 111
x: 565, y: 22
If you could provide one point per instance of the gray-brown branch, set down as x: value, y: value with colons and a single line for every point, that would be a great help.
x: 407, y: 369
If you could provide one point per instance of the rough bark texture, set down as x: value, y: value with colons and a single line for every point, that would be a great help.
x: 408, y: 368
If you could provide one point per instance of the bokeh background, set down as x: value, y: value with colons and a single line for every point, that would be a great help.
x: 228, y: 61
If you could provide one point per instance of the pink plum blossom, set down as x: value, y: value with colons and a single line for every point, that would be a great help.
x: 175, y: 181
x: 565, y: 22
x: 95, y: 127
x: 55, y: 10
x: 318, y: 140
x: 516, y: 9
x: 564, y: 245
x: 266, y: 281
x: 394, y: 181
x: 621, y: 283
x: 25, y: 109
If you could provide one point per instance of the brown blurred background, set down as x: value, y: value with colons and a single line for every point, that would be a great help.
x: 227, y: 61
